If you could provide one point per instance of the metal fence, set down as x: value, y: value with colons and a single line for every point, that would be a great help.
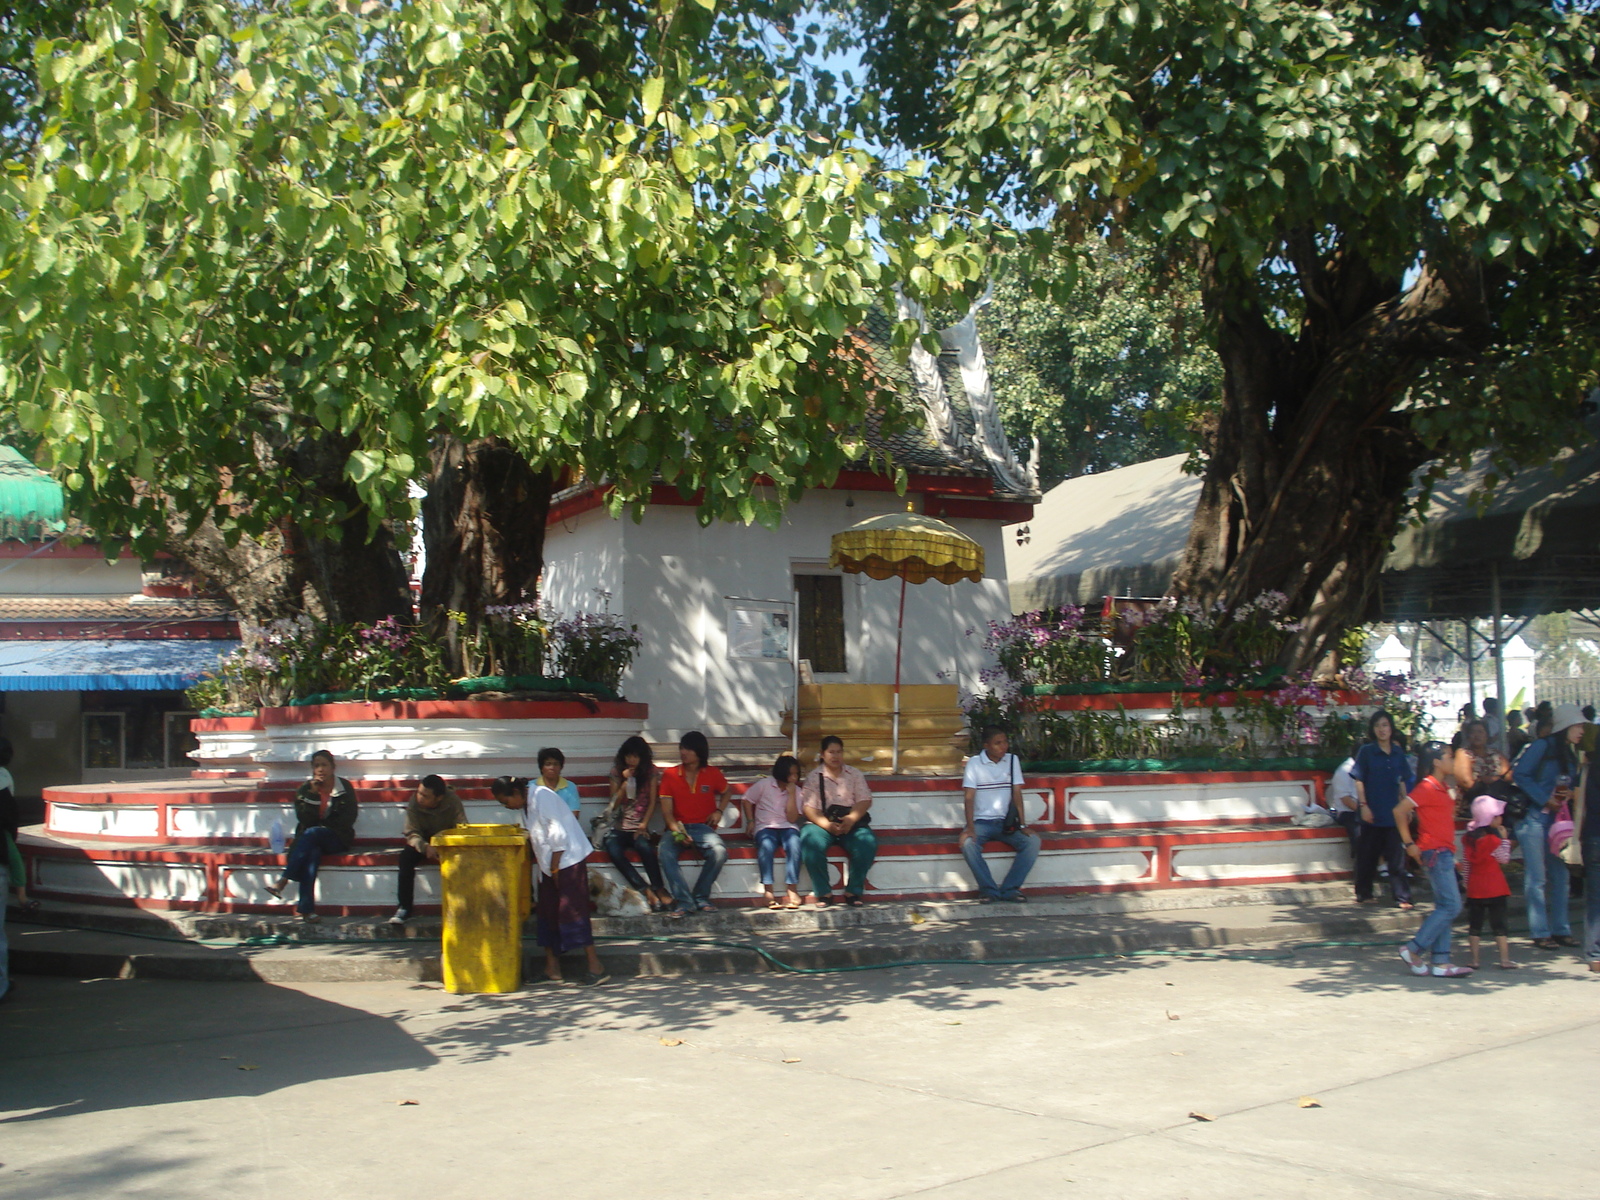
x: 1567, y: 689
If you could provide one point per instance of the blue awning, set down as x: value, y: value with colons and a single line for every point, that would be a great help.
x: 108, y: 666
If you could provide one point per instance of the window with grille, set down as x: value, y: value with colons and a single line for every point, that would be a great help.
x: 822, y: 622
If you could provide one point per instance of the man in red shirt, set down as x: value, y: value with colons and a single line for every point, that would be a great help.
x: 1434, y: 849
x: 693, y: 795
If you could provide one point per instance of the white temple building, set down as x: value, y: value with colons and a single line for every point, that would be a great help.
x: 713, y: 604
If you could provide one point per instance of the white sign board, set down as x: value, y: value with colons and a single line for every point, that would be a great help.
x: 758, y: 633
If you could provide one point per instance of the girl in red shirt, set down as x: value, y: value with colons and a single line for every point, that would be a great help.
x: 1434, y: 850
x: 1486, y: 850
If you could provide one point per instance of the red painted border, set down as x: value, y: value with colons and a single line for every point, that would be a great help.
x: 1159, y: 845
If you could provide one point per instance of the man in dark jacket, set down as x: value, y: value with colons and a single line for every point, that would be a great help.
x: 325, y: 823
x: 434, y: 808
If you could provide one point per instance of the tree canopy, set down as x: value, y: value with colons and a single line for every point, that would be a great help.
x: 1393, y: 210
x: 1119, y: 370
x: 593, y: 232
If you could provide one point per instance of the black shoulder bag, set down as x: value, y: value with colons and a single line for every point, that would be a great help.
x: 838, y: 812
x: 1013, y: 815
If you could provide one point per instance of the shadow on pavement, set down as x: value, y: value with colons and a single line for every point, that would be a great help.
x: 86, y: 1046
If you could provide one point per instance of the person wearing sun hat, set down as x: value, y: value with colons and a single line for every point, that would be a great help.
x: 1485, y: 850
x: 1546, y: 770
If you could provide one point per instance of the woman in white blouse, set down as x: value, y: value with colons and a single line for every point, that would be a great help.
x: 561, y: 909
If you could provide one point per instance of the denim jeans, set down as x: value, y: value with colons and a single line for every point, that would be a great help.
x: 709, y: 842
x: 767, y: 842
x: 992, y: 830
x: 1591, y: 899
x: 305, y: 856
x: 619, y: 842
x: 1434, y: 935
x: 1545, y: 881
x: 860, y: 848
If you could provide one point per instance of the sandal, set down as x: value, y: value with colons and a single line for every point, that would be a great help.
x: 1563, y: 939
x: 1508, y: 966
x: 275, y: 891
x: 773, y: 905
x: 1545, y: 944
x: 856, y: 902
x: 794, y: 905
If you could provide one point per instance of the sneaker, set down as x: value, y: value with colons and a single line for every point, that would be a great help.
x: 401, y: 916
x: 1418, y: 967
x: 1450, y: 971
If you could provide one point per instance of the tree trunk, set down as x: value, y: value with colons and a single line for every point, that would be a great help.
x: 261, y: 578
x: 346, y: 578
x: 483, y: 531
x: 1310, y: 465
x: 356, y: 571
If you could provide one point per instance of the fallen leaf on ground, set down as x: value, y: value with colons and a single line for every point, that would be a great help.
x: 1178, y: 1053
x: 1200, y: 1116
x: 248, y: 1067
x: 403, y: 1103
x: 671, y: 1041
x: 1172, y: 1016
x: 952, y: 1022
x: 791, y: 1060
x: 229, y: 1057
x: 917, y: 918
x: 1310, y: 1102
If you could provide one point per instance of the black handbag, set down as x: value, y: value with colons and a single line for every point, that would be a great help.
x: 838, y: 812
x: 1518, y: 803
x: 1013, y: 820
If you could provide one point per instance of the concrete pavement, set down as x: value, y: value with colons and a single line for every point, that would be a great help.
x: 947, y: 1083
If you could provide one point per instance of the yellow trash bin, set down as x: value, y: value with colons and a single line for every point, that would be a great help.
x: 483, y: 872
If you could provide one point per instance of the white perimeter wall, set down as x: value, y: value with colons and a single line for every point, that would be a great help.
x: 69, y: 577
x: 670, y: 577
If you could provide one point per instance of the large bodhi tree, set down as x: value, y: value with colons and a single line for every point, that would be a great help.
x: 271, y: 263
x: 1393, y: 209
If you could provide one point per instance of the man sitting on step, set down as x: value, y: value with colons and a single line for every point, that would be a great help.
x: 992, y: 787
x: 434, y: 808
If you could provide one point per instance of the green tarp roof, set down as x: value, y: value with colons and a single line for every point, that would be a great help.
x: 31, y: 505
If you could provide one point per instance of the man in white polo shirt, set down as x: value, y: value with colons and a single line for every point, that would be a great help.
x: 992, y: 787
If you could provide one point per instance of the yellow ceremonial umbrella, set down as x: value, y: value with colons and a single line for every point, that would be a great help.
x: 916, y: 548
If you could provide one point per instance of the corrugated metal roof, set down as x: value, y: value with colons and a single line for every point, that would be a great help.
x: 107, y: 666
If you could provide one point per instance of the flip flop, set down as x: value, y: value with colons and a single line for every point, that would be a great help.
x: 794, y: 906
x: 774, y: 905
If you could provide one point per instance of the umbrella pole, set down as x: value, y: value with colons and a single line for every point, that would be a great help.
x: 899, y: 636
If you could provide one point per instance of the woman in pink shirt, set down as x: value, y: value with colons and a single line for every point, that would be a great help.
x: 772, y: 808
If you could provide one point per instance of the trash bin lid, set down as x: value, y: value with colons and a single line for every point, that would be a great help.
x: 481, y: 835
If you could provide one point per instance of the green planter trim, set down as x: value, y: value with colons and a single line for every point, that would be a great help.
x: 461, y: 689
x: 1111, y: 766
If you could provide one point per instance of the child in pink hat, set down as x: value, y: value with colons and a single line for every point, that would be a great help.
x: 1486, y: 850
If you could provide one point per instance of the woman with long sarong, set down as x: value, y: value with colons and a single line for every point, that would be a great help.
x: 561, y: 909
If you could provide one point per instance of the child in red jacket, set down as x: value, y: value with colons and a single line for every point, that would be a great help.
x: 1486, y: 851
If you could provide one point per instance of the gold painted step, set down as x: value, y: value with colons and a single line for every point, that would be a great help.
x: 932, y: 726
